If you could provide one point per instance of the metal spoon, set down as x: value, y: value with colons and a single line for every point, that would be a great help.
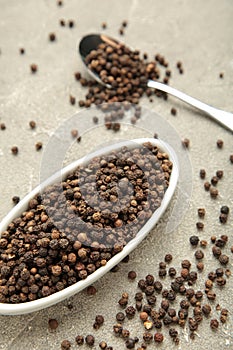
x: 90, y: 42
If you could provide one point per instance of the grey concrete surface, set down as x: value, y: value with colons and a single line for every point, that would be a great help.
x: 199, y: 33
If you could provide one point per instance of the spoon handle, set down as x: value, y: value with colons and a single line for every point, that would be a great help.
x: 224, y: 118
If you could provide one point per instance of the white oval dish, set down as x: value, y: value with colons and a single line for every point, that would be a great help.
x: 27, y: 307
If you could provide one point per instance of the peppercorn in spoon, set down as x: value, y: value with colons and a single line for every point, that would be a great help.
x: 82, y: 221
x: 116, y: 66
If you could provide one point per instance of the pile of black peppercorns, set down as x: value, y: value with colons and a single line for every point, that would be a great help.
x: 76, y: 226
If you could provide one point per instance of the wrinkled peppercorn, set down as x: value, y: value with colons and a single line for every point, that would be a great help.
x: 172, y: 272
x: 132, y: 275
x: 219, y: 143
x: 158, y: 337
x: 52, y: 36
x: 199, y: 254
x: 130, y: 343
x: 34, y: 68
x: 65, y: 345
x: 202, y: 173
x: 53, y: 324
x: 223, y: 259
x: 15, y: 150
x: 194, y: 240
x: 214, y: 324
x: 79, y: 339
x: 90, y: 340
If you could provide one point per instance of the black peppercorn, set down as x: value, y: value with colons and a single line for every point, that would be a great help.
x: 194, y: 240
x: 168, y: 258
x: 79, y: 339
x: 202, y: 173
x: 120, y: 316
x: 15, y: 150
x: 158, y: 337
x: 219, y: 143
x: 132, y: 275
x: 172, y: 272
x: 214, y: 324
x: 199, y: 254
x: 130, y: 343
x: 15, y: 199
x: 90, y: 340
x: 130, y: 311
x: 65, y: 345
x: 52, y: 36
x: 223, y: 259
x: 158, y: 286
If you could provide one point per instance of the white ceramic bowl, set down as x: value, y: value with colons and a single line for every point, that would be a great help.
x: 23, y: 308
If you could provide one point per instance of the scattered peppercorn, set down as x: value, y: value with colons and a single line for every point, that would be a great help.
x: 172, y: 272
x: 74, y: 133
x: 52, y: 36
x: 194, y: 240
x: 71, y: 23
x: 186, y: 142
x: 34, y: 68
x: 201, y: 212
x: 132, y: 275
x: 130, y: 343
x: 202, y: 173
x: 223, y: 218
x: 203, y: 243
x: 219, y: 174
x: 39, y: 146
x: 213, y: 192
x: 199, y: 225
x: 130, y: 311
x: 32, y: 124
x: 207, y: 185
x: 95, y: 120
x: 168, y: 258
x: 90, y: 340
x: 62, y: 22
x: 214, y: 180
x: 173, y: 111
x: 91, y: 290
x: 224, y: 209
x: 15, y: 200
x: 214, y: 324
x: 72, y: 100
x: 219, y: 143
x: 65, y: 345
x: 158, y: 337
x: 79, y: 339
x: 53, y: 324
x: 15, y: 150
x: 99, y: 319
x: 223, y: 259
x: 199, y: 254
x: 200, y: 266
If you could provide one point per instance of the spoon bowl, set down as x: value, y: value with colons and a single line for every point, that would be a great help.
x: 31, y: 306
x: 91, y: 42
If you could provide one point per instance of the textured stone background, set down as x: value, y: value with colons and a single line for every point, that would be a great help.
x: 196, y: 32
